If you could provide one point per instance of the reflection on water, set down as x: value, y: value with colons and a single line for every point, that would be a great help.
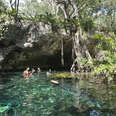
x: 38, y: 97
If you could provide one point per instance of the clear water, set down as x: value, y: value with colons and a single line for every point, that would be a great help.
x: 38, y: 97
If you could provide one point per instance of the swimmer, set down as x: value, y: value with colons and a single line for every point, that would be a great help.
x: 26, y: 73
x: 38, y: 70
x: 31, y: 73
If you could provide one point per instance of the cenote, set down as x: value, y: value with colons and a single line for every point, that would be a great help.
x: 38, y: 97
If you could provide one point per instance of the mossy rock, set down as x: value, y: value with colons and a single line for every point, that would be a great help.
x: 66, y: 75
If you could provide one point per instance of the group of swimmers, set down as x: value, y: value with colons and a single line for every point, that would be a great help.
x: 27, y: 73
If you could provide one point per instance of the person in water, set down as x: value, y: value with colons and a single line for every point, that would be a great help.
x: 38, y: 70
x: 26, y: 73
x: 48, y: 73
x: 31, y: 73
x: 33, y: 70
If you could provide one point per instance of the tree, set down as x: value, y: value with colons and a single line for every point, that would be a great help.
x: 71, y: 10
x: 15, y: 8
x: 32, y: 10
x: 67, y: 15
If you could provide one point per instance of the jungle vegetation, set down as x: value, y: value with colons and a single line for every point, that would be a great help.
x: 90, y: 27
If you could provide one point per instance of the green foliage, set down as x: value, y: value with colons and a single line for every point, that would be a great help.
x: 13, y: 12
x: 64, y: 75
x: 2, y: 7
x: 87, y: 24
x: 85, y: 64
x: 106, y: 43
x: 38, y: 10
x: 108, y: 64
x: 4, y: 19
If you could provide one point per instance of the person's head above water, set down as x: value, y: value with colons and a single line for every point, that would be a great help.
x: 33, y: 70
x: 38, y: 69
x: 28, y: 69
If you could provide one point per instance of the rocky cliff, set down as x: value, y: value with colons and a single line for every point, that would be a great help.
x: 31, y: 45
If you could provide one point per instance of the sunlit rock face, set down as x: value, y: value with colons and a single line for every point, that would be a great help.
x: 28, y: 45
x: 38, y: 30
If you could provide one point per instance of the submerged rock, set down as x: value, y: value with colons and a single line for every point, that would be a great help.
x: 4, y: 107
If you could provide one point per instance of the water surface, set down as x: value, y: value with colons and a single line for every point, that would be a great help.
x: 38, y: 97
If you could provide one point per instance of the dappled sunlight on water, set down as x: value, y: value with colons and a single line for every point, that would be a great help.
x: 38, y: 97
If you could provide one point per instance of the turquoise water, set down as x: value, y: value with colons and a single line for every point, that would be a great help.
x: 38, y: 97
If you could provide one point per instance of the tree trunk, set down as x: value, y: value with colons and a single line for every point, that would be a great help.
x: 62, y: 52
x: 80, y: 48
